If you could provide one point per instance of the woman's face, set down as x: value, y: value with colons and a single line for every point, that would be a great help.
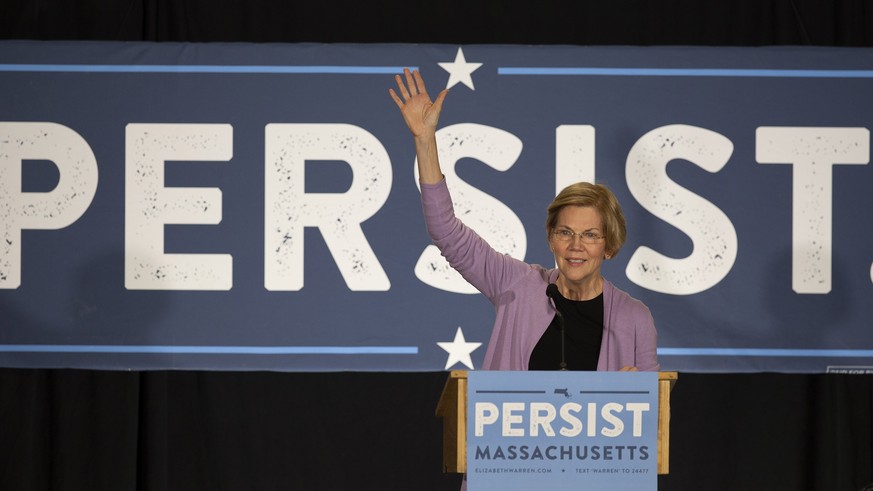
x: 578, y: 261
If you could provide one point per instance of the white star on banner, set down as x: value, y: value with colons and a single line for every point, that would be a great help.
x: 460, y: 71
x: 459, y: 350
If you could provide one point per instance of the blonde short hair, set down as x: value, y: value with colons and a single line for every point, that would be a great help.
x: 601, y: 199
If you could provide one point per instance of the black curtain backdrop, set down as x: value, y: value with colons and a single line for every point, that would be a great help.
x: 177, y: 430
x: 101, y: 430
x: 585, y: 22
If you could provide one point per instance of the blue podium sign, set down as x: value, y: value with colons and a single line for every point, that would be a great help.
x: 562, y: 431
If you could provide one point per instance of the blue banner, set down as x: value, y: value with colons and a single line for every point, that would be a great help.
x: 249, y: 207
x: 562, y: 431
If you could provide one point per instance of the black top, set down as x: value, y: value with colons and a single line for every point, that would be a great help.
x: 584, y: 323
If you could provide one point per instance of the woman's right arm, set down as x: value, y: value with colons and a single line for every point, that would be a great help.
x: 482, y: 266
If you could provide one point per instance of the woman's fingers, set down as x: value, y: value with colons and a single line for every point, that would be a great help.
x: 410, y: 81
x: 396, y: 98
x: 421, y: 115
x: 419, y: 83
x: 438, y: 103
x: 402, y: 87
x: 413, y: 86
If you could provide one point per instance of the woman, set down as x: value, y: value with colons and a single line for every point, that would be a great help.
x: 605, y: 328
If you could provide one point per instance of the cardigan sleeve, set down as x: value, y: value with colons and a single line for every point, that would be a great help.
x: 630, y: 337
x: 646, y: 343
x: 488, y: 270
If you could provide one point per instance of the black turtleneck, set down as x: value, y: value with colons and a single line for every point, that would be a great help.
x: 584, y: 323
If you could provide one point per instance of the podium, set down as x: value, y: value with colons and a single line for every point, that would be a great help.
x: 452, y: 408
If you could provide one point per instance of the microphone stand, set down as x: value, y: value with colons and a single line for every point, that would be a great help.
x: 551, y: 291
x: 563, y: 365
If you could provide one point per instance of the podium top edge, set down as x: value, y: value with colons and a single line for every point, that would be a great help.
x: 459, y: 374
x: 668, y: 375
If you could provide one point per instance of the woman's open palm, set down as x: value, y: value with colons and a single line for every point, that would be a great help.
x: 419, y: 112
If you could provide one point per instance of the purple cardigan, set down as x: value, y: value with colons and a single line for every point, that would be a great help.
x: 518, y: 292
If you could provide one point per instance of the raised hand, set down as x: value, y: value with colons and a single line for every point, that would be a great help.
x: 421, y: 115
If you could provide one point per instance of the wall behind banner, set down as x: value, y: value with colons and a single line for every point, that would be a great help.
x: 254, y: 206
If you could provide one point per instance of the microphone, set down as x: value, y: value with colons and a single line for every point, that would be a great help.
x: 552, y: 292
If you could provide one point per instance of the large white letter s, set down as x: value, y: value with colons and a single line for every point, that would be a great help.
x: 711, y: 231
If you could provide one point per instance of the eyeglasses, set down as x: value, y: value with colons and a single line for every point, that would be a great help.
x: 567, y: 235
